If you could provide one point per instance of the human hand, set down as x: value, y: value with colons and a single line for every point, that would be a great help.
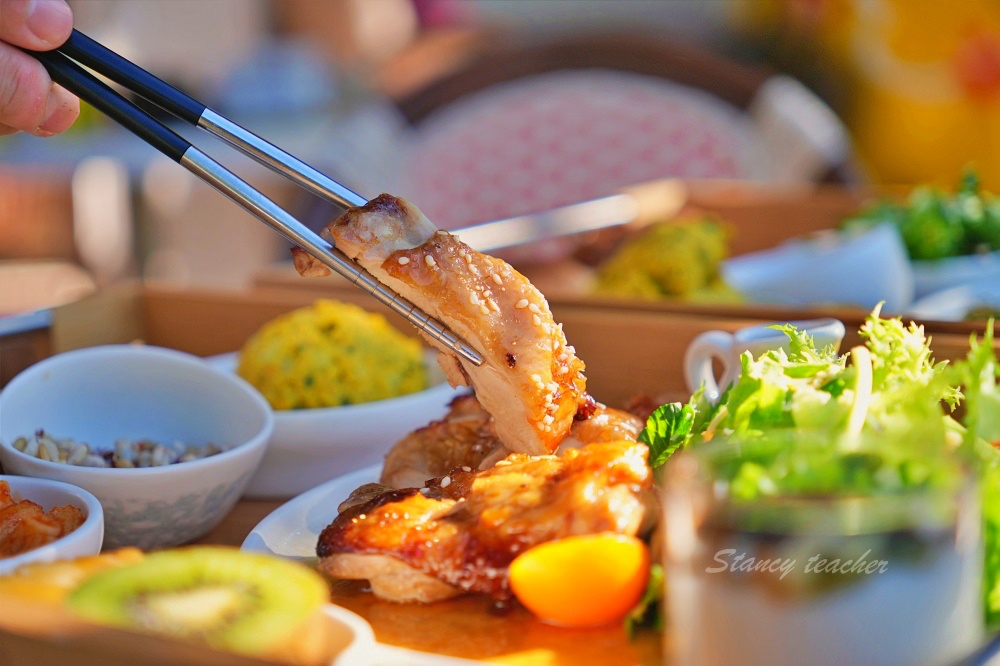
x: 29, y: 101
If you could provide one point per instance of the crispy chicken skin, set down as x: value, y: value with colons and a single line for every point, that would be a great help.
x: 531, y: 382
x: 465, y: 528
x: 604, y: 425
x: 466, y: 436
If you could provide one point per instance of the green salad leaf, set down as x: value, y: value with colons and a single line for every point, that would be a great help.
x: 977, y: 375
x: 668, y: 428
x: 646, y: 613
x: 890, y: 385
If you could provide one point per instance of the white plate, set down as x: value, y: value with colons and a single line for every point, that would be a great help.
x: 292, y: 530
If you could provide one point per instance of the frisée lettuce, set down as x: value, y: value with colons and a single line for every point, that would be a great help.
x: 888, y: 385
x: 887, y: 388
x: 978, y: 377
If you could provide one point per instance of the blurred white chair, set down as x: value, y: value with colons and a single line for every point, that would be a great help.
x: 41, y: 262
x: 533, y: 124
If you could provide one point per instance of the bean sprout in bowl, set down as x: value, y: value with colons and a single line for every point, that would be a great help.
x: 102, y: 394
x: 312, y: 446
x: 86, y: 539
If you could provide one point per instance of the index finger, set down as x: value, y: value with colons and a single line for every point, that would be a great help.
x: 35, y: 24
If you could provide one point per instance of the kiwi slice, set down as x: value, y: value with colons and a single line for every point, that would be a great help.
x: 225, y: 598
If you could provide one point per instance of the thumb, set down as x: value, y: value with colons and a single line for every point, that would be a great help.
x: 35, y: 24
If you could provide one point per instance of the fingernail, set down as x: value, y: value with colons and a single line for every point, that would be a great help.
x: 52, y: 106
x: 50, y: 21
x: 58, y: 115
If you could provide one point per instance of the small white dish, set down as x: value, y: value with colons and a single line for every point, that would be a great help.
x: 352, y: 637
x: 99, y: 394
x: 931, y: 277
x: 84, y: 540
x: 859, y: 269
x: 312, y: 446
x: 955, y: 303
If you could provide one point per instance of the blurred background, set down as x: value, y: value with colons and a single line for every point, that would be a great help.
x: 478, y: 110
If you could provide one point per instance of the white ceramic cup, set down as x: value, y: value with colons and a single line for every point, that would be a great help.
x: 726, y: 348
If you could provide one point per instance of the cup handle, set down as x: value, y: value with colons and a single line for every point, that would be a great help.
x: 698, y: 362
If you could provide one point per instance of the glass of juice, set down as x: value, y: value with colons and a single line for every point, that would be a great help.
x: 802, y: 548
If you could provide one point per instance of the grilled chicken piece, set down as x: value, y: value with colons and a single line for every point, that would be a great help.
x: 604, y: 425
x: 464, y: 529
x: 463, y: 438
x: 392, y: 579
x: 466, y: 437
x: 531, y: 382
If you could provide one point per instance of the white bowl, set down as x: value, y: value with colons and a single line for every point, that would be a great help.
x: 84, y: 540
x: 312, y: 446
x: 100, y: 394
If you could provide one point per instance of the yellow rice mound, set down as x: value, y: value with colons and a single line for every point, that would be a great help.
x: 672, y: 259
x: 330, y: 354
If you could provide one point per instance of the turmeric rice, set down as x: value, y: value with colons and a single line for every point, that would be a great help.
x: 331, y: 353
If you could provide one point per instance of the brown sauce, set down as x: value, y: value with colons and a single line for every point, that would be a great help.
x: 466, y: 627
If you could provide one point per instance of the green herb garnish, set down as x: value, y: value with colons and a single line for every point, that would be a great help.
x: 935, y: 225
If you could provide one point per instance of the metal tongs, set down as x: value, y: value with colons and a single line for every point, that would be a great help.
x: 64, y: 66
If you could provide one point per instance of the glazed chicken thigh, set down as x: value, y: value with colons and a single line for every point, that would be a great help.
x: 527, y: 458
x: 460, y: 532
x: 531, y: 381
